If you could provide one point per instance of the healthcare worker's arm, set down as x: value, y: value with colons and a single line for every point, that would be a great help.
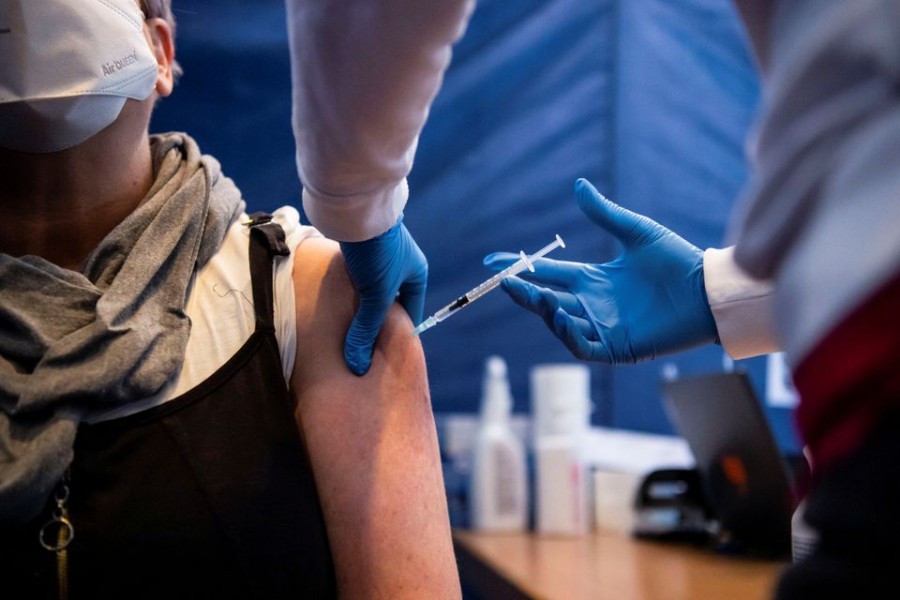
x: 653, y: 299
x: 372, y: 443
x: 364, y: 74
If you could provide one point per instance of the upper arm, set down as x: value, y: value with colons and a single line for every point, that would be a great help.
x: 372, y: 442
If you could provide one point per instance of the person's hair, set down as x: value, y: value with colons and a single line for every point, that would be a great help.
x: 162, y: 9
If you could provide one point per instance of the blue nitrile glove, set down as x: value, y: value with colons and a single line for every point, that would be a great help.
x: 649, y: 301
x: 380, y: 268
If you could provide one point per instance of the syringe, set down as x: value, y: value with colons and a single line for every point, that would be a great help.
x: 480, y: 290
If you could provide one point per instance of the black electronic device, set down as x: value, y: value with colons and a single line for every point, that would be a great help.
x: 670, y: 504
x: 741, y: 468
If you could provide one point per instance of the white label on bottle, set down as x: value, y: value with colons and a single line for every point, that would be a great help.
x: 561, y: 489
x: 506, y: 497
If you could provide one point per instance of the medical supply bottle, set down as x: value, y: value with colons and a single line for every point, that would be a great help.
x: 499, y: 487
x: 561, y: 408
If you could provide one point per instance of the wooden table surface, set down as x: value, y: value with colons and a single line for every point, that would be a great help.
x: 605, y: 565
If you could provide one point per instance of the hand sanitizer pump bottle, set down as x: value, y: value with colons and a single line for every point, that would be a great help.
x: 499, y: 487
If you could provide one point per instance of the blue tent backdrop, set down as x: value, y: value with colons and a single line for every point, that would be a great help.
x: 649, y: 99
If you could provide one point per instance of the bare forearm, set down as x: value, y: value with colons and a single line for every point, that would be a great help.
x: 373, y: 447
x: 376, y: 460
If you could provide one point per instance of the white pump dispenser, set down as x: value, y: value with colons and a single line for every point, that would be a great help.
x: 499, y: 489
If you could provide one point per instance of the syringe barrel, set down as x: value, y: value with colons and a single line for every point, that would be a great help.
x: 469, y: 297
x: 483, y: 288
x: 444, y: 312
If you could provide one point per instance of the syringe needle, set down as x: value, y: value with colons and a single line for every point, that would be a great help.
x: 426, y: 324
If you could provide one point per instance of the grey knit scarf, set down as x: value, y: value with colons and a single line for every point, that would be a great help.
x: 115, y: 332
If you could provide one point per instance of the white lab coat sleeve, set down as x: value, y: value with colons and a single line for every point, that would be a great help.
x: 364, y: 74
x: 742, y: 306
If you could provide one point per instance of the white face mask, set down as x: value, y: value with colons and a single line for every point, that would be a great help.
x: 68, y: 66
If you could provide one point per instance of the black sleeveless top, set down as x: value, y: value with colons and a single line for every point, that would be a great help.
x: 210, y: 495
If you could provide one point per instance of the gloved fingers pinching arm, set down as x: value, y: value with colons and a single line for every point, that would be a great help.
x: 412, y: 294
x: 380, y: 269
x: 364, y: 329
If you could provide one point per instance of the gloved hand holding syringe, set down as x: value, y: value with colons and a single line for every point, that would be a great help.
x: 480, y: 290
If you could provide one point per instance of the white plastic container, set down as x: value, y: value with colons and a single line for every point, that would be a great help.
x: 499, y: 486
x: 561, y: 407
x: 562, y: 487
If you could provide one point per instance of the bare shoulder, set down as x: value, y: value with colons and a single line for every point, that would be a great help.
x: 325, y: 304
x: 325, y: 298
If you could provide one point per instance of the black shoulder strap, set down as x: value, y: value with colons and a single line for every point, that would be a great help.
x: 267, y: 241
